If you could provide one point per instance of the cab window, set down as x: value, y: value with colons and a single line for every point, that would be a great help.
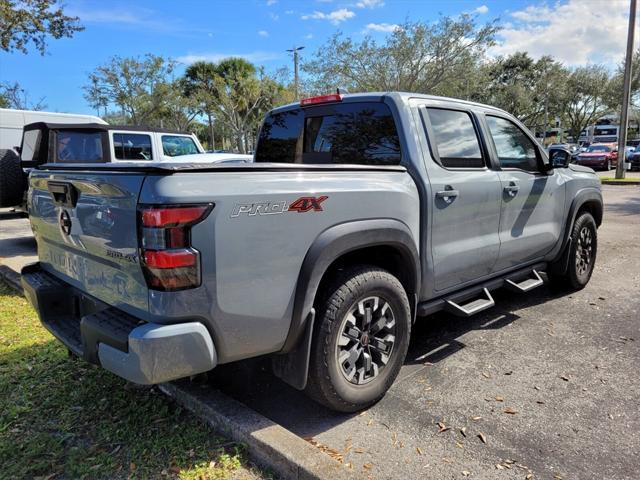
x: 455, y: 139
x: 349, y: 133
x: 175, y: 145
x: 79, y: 147
x: 132, y: 146
x: 514, y: 148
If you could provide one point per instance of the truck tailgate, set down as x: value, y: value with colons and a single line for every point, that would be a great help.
x: 85, y: 224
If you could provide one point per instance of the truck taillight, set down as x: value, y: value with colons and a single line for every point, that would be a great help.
x: 169, y: 262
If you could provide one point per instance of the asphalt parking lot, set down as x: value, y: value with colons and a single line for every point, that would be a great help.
x: 543, y: 385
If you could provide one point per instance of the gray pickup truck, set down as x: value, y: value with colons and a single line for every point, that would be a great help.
x: 361, y: 213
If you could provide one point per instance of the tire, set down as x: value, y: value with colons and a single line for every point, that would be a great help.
x: 348, y: 384
x: 12, y: 179
x: 582, y: 254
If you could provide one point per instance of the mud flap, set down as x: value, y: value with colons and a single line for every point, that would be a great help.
x: 293, y: 367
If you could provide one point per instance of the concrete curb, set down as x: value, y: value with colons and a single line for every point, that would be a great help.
x: 11, y: 277
x: 268, y: 443
x: 617, y: 182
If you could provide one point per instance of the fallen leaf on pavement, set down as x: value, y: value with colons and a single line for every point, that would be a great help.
x: 540, y: 402
x: 466, y: 473
x: 419, y: 450
x: 499, y: 467
x: 459, y: 445
x: 475, y: 419
x: 443, y: 427
x: 510, y: 411
x: 463, y: 431
x: 486, y: 375
x: 499, y: 399
x: 367, y: 466
x: 564, y: 377
x: 482, y: 437
x: 529, y: 477
x: 510, y: 372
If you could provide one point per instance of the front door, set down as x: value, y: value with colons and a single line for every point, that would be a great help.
x: 532, y: 200
x: 465, y: 215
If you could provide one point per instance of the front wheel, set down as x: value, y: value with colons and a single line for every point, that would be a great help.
x: 582, y: 254
x: 360, y: 340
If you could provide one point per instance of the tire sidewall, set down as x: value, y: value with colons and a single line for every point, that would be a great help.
x: 393, y: 293
x: 584, y: 220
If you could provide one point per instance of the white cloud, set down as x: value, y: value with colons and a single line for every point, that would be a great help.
x: 381, y: 27
x: 289, y: 12
x: 263, y: 33
x: 257, y: 56
x: 572, y: 32
x: 370, y: 3
x: 274, y: 16
x: 334, y: 17
x: 309, y: 36
x: 271, y: 2
x: 482, y: 9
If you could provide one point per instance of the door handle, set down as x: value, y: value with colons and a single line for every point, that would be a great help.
x: 448, y: 194
x: 512, y: 189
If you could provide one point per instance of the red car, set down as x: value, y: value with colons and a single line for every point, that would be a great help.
x: 599, y: 155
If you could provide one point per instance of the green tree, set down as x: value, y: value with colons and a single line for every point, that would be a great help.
x: 530, y: 89
x: 135, y: 86
x: 415, y: 57
x: 199, y: 85
x: 585, y: 97
x: 236, y: 94
x: 32, y: 21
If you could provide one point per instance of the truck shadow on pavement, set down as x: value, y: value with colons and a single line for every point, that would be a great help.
x: 434, y: 339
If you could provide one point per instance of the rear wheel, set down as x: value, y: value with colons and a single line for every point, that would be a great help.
x: 360, y: 340
x: 12, y: 179
x: 582, y: 254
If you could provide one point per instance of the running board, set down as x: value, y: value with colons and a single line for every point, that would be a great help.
x: 472, y: 307
x: 525, y: 285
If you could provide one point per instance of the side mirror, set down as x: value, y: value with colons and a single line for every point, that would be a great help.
x: 559, y: 158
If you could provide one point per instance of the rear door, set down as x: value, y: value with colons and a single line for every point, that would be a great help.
x: 85, y: 225
x: 532, y: 206
x: 465, y: 216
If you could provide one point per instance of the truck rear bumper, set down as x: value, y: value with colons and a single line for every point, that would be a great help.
x: 144, y: 353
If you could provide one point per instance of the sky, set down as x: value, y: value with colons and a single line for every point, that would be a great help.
x: 576, y: 32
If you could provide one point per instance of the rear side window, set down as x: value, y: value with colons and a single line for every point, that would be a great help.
x: 132, y: 146
x: 514, y: 148
x: 455, y: 139
x: 174, y: 145
x: 348, y: 133
x: 30, y: 145
x: 79, y: 147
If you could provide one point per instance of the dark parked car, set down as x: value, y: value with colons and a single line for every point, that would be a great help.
x: 634, y: 158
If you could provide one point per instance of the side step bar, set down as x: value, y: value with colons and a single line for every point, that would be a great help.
x: 459, y: 303
x: 525, y: 285
x: 472, y: 307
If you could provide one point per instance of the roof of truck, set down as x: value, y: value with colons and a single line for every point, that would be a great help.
x: 404, y: 96
x: 99, y: 126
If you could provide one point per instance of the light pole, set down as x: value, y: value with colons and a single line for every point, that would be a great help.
x: 624, y: 117
x: 295, y: 51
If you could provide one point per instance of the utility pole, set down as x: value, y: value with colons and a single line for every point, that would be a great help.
x: 624, y: 117
x: 295, y: 51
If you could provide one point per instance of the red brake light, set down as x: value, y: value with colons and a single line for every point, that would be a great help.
x: 170, y: 258
x: 169, y: 262
x: 173, y: 216
x: 334, y: 97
